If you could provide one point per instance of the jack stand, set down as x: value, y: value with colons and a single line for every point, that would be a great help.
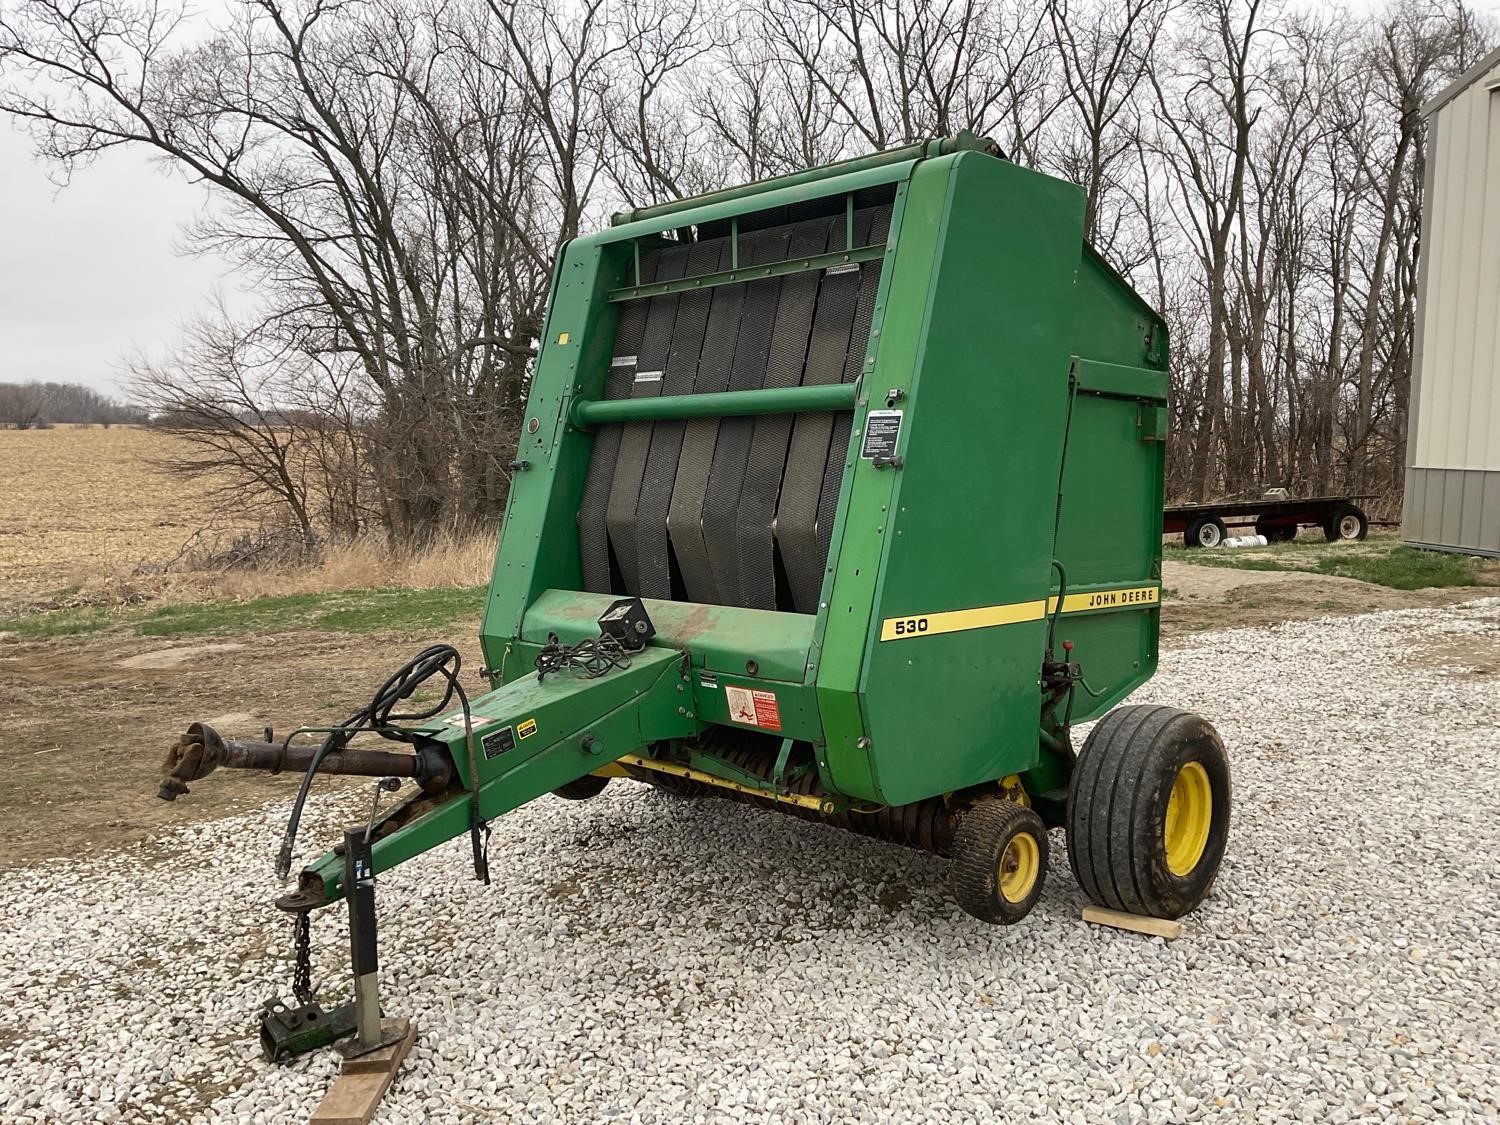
x: 373, y: 1056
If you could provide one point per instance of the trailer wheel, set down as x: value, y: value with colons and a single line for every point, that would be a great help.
x: 581, y: 789
x: 1148, y: 811
x: 1277, y: 532
x: 999, y: 861
x: 1205, y: 531
x: 1346, y: 522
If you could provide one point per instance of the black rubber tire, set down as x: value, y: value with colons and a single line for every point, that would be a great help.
x: 979, y: 846
x: 1334, y: 532
x: 1117, y: 805
x: 582, y: 788
x: 1206, y: 531
x: 1277, y: 532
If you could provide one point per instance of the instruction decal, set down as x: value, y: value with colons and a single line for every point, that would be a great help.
x: 882, y: 431
x: 526, y: 728
x: 457, y: 721
x: 753, y: 707
x: 497, y: 742
x: 709, y: 680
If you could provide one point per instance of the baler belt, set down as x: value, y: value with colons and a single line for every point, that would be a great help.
x: 766, y: 459
x: 685, y: 515
x: 681, y: 372
x: 635, y: 442
x: 593, y: 536
x: 807, y: 456
x: 715, y: 509
x: 752, y: 354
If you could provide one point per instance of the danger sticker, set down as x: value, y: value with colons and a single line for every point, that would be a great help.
x: 526, y: 728
x: 753, y: 707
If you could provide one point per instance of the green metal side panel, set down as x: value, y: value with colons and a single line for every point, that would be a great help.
x: 539, y: 538
x: 1110, y: 531
x: 971, y: 519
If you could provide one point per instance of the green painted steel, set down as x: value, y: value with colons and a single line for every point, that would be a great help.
x: 531, y: 737
x: 723, y: 404
x: 937, y: 146
x: 1021, y: 499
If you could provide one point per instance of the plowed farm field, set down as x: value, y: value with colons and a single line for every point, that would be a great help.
x: 79, y: 504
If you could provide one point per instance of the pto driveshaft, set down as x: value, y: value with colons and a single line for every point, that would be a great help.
x: 200, y: 751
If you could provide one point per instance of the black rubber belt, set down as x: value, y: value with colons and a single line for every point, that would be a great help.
x: 685, y: 516
x: 859, y: 341
x: 593, y: 536
x: 732, y: 450
x: 654, y: 579
x: 635, y: 442
x: 768, y: 446
x: 807, y: 455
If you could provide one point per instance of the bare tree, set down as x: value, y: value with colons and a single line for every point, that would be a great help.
x: 22, y: 405
x: 259, y: 423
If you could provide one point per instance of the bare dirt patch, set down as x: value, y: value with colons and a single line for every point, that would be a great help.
x: 1203, y: 597
x: 1475, y: 656
x: 163, y: 658
x: 87, y: 725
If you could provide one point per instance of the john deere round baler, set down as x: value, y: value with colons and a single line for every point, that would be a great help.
x: 840, y: 494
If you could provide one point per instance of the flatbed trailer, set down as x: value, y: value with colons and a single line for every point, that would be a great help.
x: 1207, y: 525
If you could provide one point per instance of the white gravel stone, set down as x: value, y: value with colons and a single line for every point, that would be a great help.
x: 644, y: 959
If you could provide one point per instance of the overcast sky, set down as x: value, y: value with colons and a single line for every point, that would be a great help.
x: 91, y: 273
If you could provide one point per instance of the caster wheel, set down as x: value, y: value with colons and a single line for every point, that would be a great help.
x: 999, y: 861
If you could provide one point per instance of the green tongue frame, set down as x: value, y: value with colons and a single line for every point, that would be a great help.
x: 529, y: 739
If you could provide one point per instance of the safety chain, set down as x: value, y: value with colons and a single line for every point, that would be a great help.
x: 302, y: 972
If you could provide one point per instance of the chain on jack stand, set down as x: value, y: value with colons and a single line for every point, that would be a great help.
x: 291, y: 1029
x: 371, y: 1032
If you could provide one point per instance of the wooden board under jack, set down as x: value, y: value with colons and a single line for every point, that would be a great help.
x: 363, y: 1081
x: 1139, y: 923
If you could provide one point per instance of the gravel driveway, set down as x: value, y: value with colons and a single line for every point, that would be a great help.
x: 641, y: 958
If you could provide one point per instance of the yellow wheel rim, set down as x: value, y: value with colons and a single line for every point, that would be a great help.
x: 1020, y: 864
x: 1190, y: 811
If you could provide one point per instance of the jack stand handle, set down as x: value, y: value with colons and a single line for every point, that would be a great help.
x: 359, y: 884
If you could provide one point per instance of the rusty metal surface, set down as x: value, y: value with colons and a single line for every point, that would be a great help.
x: 200, y: 750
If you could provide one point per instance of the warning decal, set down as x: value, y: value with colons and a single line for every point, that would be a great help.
x: 526, y: 728
x: 753, y: 707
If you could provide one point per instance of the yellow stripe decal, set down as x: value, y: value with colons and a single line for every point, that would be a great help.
x: 1108, y: 599
x: 958, y: 620
x: 962, y: 620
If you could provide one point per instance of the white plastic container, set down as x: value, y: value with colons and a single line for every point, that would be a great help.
x: 1244, y: 541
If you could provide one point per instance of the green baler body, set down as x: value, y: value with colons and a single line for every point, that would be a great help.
x: 987, y: 297
x: 1031, y: 383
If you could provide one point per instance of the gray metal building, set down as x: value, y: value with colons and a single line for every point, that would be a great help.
x: 1453, y: 429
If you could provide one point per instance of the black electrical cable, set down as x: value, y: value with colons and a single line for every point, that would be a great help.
x: 380, y: 715
x: 593, y: 656
x: 1062, y: 592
